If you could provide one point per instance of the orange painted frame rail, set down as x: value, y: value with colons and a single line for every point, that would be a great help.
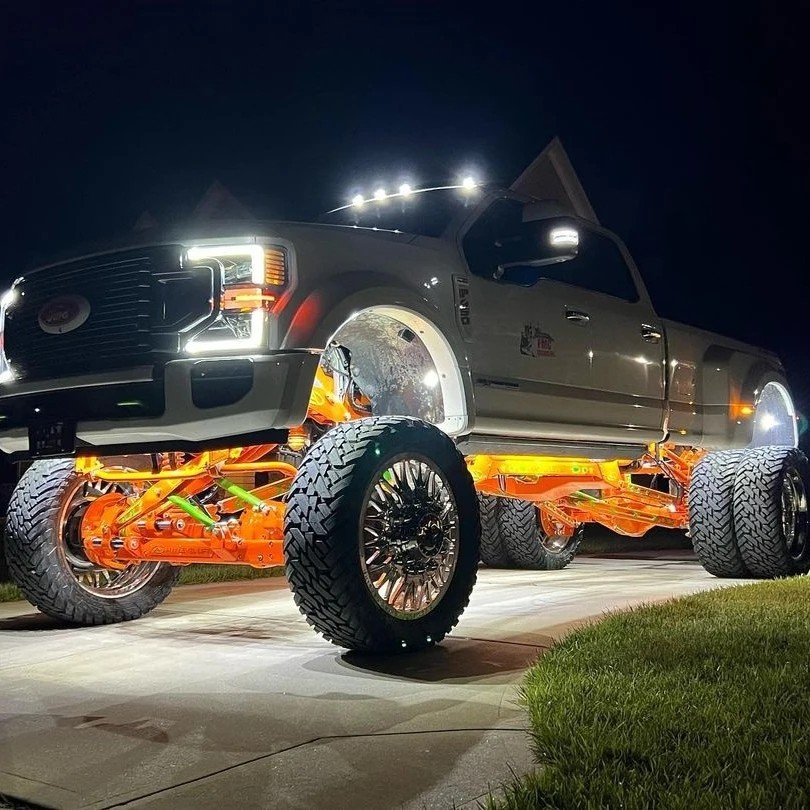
x: 155, y: 515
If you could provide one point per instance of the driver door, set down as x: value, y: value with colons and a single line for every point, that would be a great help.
x: 530, y: 350
x: 561, y: 332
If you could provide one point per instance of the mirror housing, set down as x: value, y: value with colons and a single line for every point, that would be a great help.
x: 540, y: 242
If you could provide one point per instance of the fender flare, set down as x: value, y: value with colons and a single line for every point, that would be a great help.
x: 725, y: 393
x: 325, y: 310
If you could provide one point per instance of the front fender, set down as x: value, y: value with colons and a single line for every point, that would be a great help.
x: 343, y: 297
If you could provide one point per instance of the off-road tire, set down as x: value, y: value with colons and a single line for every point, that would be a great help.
x: 493, y: 552
x: 37, y: 561
x: 710, y: 502
x: 322, y: 534
x: 758, y: 512
x: 523, y: 538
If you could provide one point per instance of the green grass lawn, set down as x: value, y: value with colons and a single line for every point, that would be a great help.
x: 190, y: 575
x: 698, y: 702
x: 9, y: 592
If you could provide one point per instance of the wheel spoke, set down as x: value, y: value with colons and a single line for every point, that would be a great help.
x: 409, y: 537
x: 103, y: 582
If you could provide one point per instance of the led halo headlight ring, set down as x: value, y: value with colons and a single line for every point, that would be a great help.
x: 254, y: 294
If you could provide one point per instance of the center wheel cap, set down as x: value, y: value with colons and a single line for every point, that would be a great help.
x: 409, y: 537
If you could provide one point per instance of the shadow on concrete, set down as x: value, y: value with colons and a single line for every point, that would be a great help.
x: 35, y: 621
x: 455, y: 660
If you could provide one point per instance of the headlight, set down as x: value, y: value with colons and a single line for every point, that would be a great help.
x: 7, y: 300
x: 253, y: 278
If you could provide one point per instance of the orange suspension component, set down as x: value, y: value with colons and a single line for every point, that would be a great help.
x: 571, y: 491
x: 163, y: 521
x: 170, y: 536
x: 160, y: 516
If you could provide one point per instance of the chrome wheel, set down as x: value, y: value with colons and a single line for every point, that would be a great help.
x: 554, y: 535
x: 794, y: 513
x: 555, y: 542
x: 107, y: 583
x: 409, y: 537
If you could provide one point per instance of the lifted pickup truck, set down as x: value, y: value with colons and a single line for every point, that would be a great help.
x: 377, y: 402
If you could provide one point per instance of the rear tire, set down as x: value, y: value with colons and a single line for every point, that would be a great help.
x: 771, y: 511
x: 711, y: 514
x: 47, y: 562
x: 528, y: 544
x: 493, y: 552
x: 381, y: 535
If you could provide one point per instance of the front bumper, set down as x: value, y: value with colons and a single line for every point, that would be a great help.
x: 194, y: 401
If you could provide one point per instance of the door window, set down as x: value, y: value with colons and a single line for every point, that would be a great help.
x: 597, y: 265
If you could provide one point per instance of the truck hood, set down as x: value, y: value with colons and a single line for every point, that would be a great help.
x: 220, y: 229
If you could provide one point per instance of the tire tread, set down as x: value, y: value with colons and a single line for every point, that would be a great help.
x: 320, y: 538
x: 711, y: 514
x: 521, y: 532
x: 39, y: 571
x: 757, y: 511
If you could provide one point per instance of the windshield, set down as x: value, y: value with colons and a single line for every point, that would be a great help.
x: 426, y: 212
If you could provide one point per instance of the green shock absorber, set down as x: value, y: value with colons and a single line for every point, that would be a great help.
x: 193, y: 510
x: 243, y: 495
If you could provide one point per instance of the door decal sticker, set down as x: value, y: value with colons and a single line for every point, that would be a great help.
x: 534, y: 342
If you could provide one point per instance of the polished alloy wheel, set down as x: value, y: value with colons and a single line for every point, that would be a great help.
x: 107, y: 583
x: 409, y: 537
x: 794, y: 513
x: 554, y: 535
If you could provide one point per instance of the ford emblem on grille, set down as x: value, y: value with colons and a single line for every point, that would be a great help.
x: 63, y: 314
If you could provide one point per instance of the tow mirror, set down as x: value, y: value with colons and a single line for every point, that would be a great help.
x: 540, y: 242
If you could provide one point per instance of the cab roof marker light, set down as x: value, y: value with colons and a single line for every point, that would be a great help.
x: 469, y: 183
x: 405, y: 190
x: 358, y: 201
x: 380, y: 194
x: 256, y: 253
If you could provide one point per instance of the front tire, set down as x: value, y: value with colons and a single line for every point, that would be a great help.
x: 532, y: 546
x: 46, y: 558
x: 771, y: 515
x: 382, y: 535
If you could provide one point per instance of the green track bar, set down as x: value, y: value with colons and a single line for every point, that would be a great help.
x: 242, y: 494
x: 192, y: 509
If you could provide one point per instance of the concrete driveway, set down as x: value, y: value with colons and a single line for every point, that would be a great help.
x: 225, y: 697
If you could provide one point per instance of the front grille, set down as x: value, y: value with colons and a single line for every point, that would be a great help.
x: 117, y: 334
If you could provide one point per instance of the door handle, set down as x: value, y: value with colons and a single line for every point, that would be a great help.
x: 577, y: 316
x: 650, y: 333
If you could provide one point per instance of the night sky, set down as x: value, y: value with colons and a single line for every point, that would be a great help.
x: 686, y: 126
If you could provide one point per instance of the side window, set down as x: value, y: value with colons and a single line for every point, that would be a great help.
x: 598, y: 264
x: 484, y: 243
